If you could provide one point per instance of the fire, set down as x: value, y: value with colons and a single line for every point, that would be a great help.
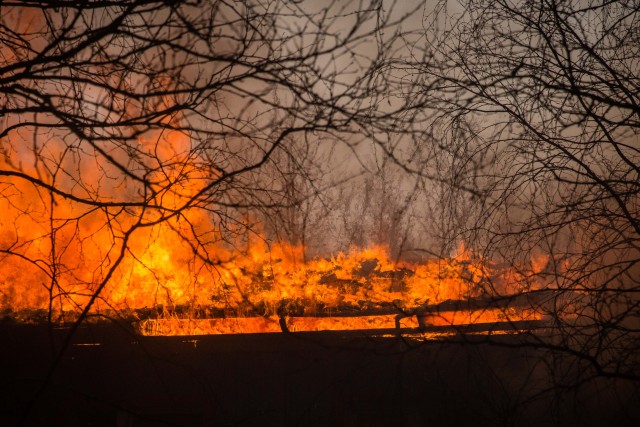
x: 255, y: 289
x: 163, y: 261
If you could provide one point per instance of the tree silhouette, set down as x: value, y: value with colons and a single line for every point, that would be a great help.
x: 136, y: 135
x: 121, y: 116
x: 545, y: 97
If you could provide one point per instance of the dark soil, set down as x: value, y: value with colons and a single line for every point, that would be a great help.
x: 110, y: 377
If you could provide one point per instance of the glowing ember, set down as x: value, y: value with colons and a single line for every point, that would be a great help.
x: 248, y: 325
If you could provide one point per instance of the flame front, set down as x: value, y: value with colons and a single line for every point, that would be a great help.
x: 165, y: 255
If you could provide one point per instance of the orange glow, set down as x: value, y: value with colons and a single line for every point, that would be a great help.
x: 246, y: 325
x: 56, y: 252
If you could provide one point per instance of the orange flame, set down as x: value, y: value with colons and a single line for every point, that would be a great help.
x: 55, y: 251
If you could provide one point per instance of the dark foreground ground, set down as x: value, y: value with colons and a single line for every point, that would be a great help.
x: 110, y: 377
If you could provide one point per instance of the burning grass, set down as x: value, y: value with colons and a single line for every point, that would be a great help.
x: 60, y: 258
